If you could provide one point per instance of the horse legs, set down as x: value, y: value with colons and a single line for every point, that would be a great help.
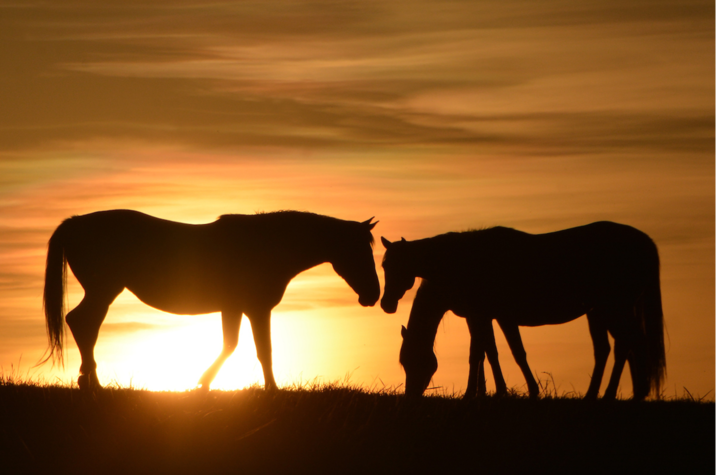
x: 84, y: 322
x: 492, y: 354
x: 483, y: 342
x: 620, y: 354
x: 261, y: 328
x: 629, y: 346
x: 601, y: 350
x: 231, y: 321
x: 477, y: 379
x: 513, y: 338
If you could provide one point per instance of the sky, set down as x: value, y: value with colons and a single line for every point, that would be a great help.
x: 431, y: 116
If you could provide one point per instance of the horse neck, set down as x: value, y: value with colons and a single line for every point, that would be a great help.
x: 426, y: 312
x: 424, y: 258
x: 313, y: 247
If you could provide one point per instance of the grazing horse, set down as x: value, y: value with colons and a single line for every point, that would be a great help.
x: 238, y: 264
x: 417, y: 355
x: 606, y: 271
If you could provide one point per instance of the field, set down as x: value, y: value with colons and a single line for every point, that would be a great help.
x: 344, y: 429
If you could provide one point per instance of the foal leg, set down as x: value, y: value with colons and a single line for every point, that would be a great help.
x: 231, y: 321
x: 261, y: 328
x: 601, y: 350
x: 477, y: 378
x: 84, y: 322
x: 492, y: 354
x: 513, y: 338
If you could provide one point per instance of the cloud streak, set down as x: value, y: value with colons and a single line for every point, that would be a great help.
x: 433, y: 116
x: 318, y: 75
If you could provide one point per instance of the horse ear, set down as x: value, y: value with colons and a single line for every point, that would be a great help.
x: 386, y: 242
x: 370, y: 224
x: 403, y: 240
x: 403, y: 331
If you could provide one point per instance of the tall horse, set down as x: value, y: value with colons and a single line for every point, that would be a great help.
x: 606, y: 271
x: 238, y: 264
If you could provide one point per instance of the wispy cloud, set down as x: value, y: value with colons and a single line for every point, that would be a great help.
x: 433, y: 116
x: 342, y: 74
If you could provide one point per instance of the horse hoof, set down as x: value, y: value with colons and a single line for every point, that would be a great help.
x: 87, y: 383
x: 202, y: 388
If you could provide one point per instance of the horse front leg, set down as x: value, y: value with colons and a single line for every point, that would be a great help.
x: 261, y: 328
x: 231, y: 321
x: 513, y: 338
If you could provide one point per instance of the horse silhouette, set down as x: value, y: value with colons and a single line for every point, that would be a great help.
x: 606, y: 271
x: 239, y: 264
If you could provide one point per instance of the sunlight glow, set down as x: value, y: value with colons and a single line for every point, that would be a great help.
x: 146, y: 348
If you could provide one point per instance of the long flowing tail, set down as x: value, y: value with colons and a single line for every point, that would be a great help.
x: 54, y: 296
x: 653, y: 327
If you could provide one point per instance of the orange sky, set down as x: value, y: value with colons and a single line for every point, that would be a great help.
x: 431, y: 116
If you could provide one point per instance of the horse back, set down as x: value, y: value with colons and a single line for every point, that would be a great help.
x: 160, y: 261
x: 553, y: 277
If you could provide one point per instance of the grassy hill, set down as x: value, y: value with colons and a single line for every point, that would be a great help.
x: 342, y: 429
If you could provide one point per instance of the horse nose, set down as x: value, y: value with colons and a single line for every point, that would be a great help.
x: 368, y: 301
x: 389, y: 306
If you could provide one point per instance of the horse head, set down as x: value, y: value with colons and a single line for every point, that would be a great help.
x: 419, y: 361
x: 354, y: 262
x: 397, y: 275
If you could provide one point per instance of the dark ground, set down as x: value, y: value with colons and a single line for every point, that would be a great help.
x: 333, y: 429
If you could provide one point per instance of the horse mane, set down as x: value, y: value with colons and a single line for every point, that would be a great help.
x: 474, y: 234
x: 281, y: 212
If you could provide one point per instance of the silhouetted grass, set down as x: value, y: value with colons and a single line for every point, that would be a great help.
x: 343, y: 429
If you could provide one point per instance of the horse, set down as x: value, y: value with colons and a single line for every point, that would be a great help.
x: 238, y: 264
x: 417, y: 356
x: 607, y: 271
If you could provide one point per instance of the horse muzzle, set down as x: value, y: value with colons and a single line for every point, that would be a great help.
x: 368, y: 301
x: 389, y: 306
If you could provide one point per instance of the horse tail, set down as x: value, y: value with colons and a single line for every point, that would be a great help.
x: 652, y: 322
x: 54, y: 294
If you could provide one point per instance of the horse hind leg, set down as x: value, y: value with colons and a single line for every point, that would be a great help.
x: 601, y: 350
x: 84, y: 322
x: 629, y: 346
x: 620, y: 353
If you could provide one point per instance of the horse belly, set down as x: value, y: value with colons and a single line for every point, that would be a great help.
x: 178, y: 298
x: 526, y: 309
x: 549, y: 316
